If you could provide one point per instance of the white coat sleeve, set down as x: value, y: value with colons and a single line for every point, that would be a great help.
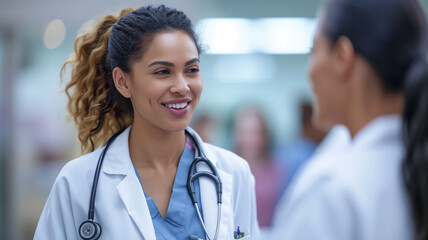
x: 324, y: 212
x: 56, y: 220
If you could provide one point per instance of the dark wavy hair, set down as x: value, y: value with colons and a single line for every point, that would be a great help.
x: 392, y: 36
x: 96, y: 106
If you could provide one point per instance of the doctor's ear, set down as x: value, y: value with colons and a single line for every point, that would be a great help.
x: 344, y: 56
x: 121, y: 82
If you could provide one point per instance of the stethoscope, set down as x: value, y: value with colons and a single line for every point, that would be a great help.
x: 91, y: 230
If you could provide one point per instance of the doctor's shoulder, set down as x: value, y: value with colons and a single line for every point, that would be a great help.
x: 74, y: 181
x: 80, y: 168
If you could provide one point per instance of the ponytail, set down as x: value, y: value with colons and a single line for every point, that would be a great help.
x: 95, y: 105
x: 415, y: 165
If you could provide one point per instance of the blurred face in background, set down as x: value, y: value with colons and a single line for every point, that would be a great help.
x: 328, y: 87
x: 250, y: 133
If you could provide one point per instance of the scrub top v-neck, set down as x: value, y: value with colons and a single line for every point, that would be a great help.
x: 181, y: 219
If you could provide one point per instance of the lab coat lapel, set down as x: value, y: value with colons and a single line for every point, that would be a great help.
x: 209, y: 203
x: 225, y: 231
x: 133, y: 198
x: 118, y: 162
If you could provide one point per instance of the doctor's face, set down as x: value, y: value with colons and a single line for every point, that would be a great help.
x: 166, y: 84
x: 326, y: 82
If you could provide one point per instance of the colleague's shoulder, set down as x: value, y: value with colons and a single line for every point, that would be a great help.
x: 324, y: 189
x: 227, y: 160
x: 319, y: 174
x: 333, y: 178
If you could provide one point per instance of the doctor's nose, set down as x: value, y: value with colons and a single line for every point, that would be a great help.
x: 180, y: 86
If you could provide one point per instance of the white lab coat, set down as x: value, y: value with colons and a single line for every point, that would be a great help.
x: 121, y: 208
x: 354, y: 191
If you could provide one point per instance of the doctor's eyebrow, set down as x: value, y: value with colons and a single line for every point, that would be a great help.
x: 170, y: 64
x: 164, y: 63
x: 191, y: 61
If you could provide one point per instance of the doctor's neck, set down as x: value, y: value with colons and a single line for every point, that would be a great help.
x: 369, y: 104
x: 368, y: 99
x: 152, y: 147
x: 364, y: 114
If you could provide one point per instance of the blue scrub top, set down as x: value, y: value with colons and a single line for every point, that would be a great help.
x: 181, y: 219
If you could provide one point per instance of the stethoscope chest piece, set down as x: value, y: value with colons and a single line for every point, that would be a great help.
x: 89, y: 230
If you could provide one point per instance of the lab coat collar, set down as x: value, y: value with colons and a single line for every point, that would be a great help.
x: 209, y: 199
x: 117, y: 159
x: 380, y: 130
x: 118, y: 162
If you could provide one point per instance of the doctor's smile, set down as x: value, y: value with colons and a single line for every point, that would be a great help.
x: 178, y: 107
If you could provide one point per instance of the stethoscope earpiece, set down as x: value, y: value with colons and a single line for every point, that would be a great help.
x: 89, y: 230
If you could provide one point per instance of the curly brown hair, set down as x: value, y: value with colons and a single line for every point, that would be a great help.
x: 95, y: 105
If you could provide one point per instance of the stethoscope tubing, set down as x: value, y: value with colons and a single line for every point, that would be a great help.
x: 91, y: 211
x: 203, y: 224
x: 213, y: 175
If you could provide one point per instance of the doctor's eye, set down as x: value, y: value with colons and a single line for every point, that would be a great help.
x: 193, y: 70
x: 162, y: 72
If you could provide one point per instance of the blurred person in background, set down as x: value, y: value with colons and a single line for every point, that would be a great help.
x: 369, y: 72
x: 253, y: 142
x: 135, y: 80
x: 293, y: 155
x: 206, y: 126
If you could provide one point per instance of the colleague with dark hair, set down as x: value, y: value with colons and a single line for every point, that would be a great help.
x: 135, y: 80
x: 369, y: 72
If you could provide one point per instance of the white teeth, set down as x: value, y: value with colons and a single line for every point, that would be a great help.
x: 177, y: 105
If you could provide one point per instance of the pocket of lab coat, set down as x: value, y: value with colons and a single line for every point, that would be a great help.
x: 247, y: 237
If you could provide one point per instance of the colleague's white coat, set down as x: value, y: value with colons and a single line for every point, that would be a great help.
x: 121, y: 207
x: 354, y: 191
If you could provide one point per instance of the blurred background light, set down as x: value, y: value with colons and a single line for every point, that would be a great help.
x: 286, y: 35
x: 245, y: 68
x: 226, y: 36
x: 54, y: 34
x: 263, y: 35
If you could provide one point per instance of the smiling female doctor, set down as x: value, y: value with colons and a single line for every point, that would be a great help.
x: 139, y: 72
x: 369, y: 72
